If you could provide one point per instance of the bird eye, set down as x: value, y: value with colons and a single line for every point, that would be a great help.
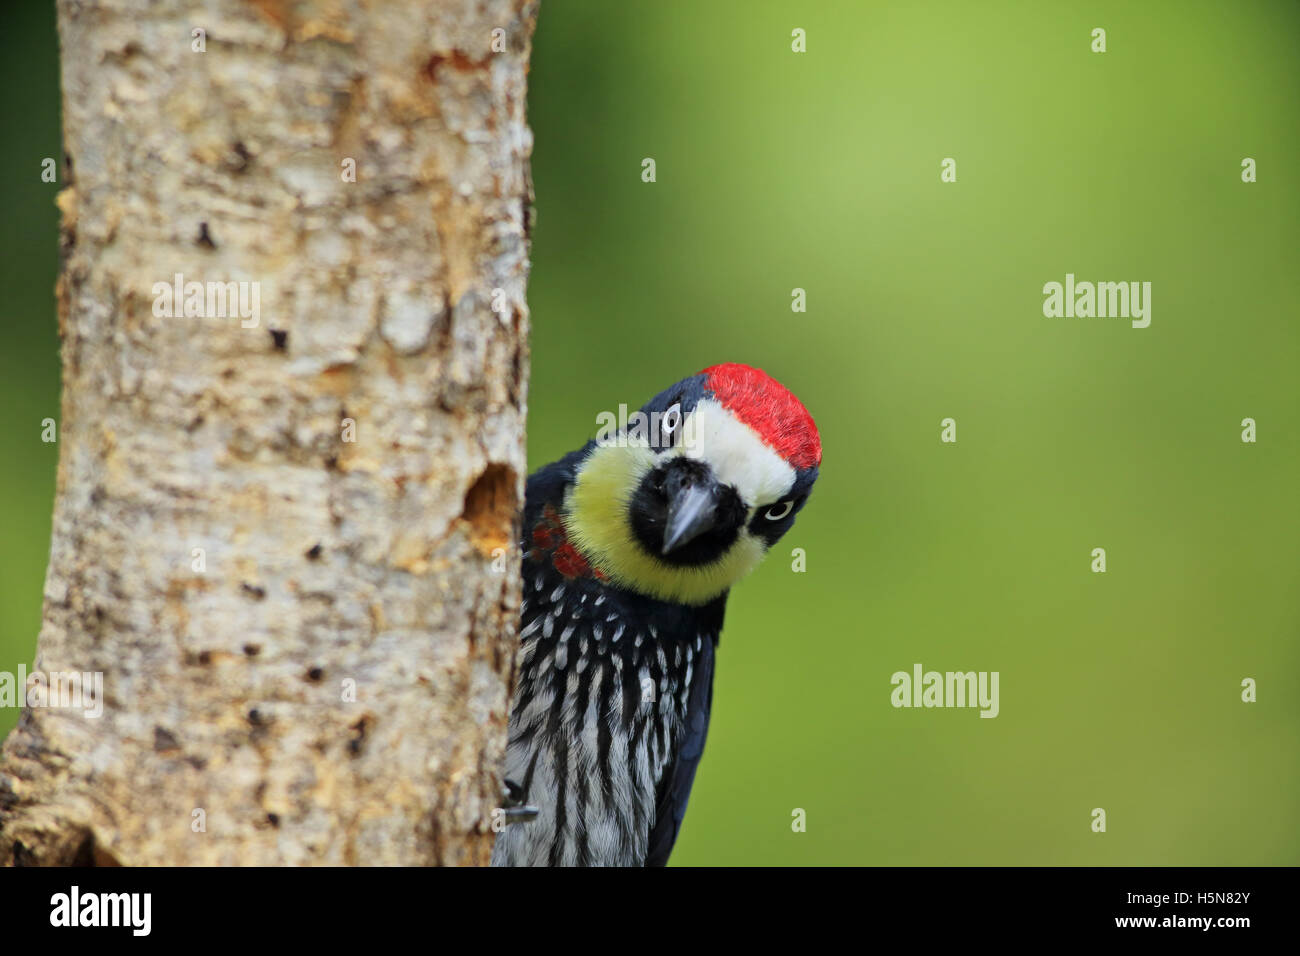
x: 670, y: 422
x: 779, y: 510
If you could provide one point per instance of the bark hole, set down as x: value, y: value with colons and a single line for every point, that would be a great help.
x: 490, y: 508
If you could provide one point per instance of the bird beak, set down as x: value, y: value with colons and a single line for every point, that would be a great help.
x: 692, y: 511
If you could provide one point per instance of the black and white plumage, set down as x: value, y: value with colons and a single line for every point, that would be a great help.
x: 631, y: 546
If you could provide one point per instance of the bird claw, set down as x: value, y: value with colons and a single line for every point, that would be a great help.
x: 520, y: 814
x: 515, y: 809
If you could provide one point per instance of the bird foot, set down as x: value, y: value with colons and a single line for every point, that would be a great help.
x: 513, y: 804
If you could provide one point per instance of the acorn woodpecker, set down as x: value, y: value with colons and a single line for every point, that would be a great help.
x: 630, y: 545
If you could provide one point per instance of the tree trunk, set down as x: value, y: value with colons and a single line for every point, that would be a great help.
x: 284, y: 536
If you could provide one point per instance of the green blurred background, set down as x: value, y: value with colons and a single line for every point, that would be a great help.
x: 820, y: 170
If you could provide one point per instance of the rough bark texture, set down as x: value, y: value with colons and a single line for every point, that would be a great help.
x: 328, y: 561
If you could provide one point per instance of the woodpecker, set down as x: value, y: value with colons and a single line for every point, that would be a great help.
x: 631, y: 545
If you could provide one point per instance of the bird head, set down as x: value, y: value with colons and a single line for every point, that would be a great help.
x: 683, y: 499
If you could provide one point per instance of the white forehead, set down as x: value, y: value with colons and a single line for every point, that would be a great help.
x: 738, y: 456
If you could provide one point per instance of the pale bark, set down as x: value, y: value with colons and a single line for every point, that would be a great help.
x: 327, y: 561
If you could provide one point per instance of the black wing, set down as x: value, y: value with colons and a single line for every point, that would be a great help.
x: 675, y: 788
